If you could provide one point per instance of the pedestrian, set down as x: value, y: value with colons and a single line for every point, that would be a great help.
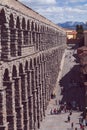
x: 54, y: 95
x: 81, y: 126
x: 78, y: 108
x: 86, y: 122
x: 57, y: 111
x: 54, y: 110
x: 72, y: 125
x: 51, y: 112
x: 80, y: 120
x: 75, y: 128
x: 65, y: 109
x: 68, y: 118
x: 56, y: 102
x: 70, y: 112
x: 59, y: 102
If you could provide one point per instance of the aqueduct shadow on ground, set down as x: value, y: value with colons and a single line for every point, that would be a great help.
x: 71, y: 85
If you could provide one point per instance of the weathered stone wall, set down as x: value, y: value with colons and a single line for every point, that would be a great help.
x: 31, y: 50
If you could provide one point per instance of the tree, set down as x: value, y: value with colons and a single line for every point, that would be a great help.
x: 79, y: 30
x: 80, y: 35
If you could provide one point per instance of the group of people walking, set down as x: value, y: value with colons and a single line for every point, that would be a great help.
x: 82, y: 126
x: 58, y: 110
x: 82, y: 123
x: 55, y: 111
x: 66, y: 108
x: 63, y: 108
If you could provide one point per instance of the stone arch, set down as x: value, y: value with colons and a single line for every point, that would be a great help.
x: 43, y: 57
x: 32, y: 26
x: 26, y: 65
x: 13, y: 47
x: 28, y: 25
x: 23, y: 23
x: 43, y: 28
x: 6, y: 75
x: 10, y: 107
x: 25, y: 32
x: 37, y: 36
x: 39, y: 27
x: 36, y: 27
x: 14, y: 71
x: 4, y: 34
x: 2, y: 17
x: 38, y: 60
x: 18, y: 22
x: 33, y: 33
x: 18, y: 101
x: 35, y: 61
x: 18, y: 26
x: 31, y: 63
x: 11, y: 21
x: 20, y: 68
x: 24, y: 95
x: 40, y: 57
x: 47, y: 28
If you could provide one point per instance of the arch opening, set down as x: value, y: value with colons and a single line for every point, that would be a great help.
x: 11, y: 21
x: 14, y: 71
x: 23, y: 24
x: 26, y: 65
x: 20, y: 69
x: 18, y: 22
x: 2, y: 17
x: 6, y: 75
x: 28, y: 25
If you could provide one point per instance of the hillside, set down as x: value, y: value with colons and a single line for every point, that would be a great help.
x: 72, y: 25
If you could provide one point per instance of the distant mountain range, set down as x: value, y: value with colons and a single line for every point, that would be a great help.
x: 72, y: 25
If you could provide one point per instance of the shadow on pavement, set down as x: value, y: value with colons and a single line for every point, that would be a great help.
x: 72, y: 89
x: 76, y: 58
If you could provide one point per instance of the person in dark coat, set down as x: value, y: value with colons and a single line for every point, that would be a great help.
x: 72, y: 125
x: 68, y: 118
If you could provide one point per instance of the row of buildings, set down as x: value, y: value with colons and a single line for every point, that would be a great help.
x: 31, y: 49
x: 82, y: 53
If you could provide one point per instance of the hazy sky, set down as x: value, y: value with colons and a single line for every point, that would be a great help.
x: 60, y: 10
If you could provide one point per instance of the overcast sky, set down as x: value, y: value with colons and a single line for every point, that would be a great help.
x: 60, y: 10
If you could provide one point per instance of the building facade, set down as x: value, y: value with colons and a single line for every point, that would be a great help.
x: 82, y: 53
x: 71, y: 34
x: 31, y: 49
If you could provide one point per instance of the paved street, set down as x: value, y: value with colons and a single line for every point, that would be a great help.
x: 73, y: 91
